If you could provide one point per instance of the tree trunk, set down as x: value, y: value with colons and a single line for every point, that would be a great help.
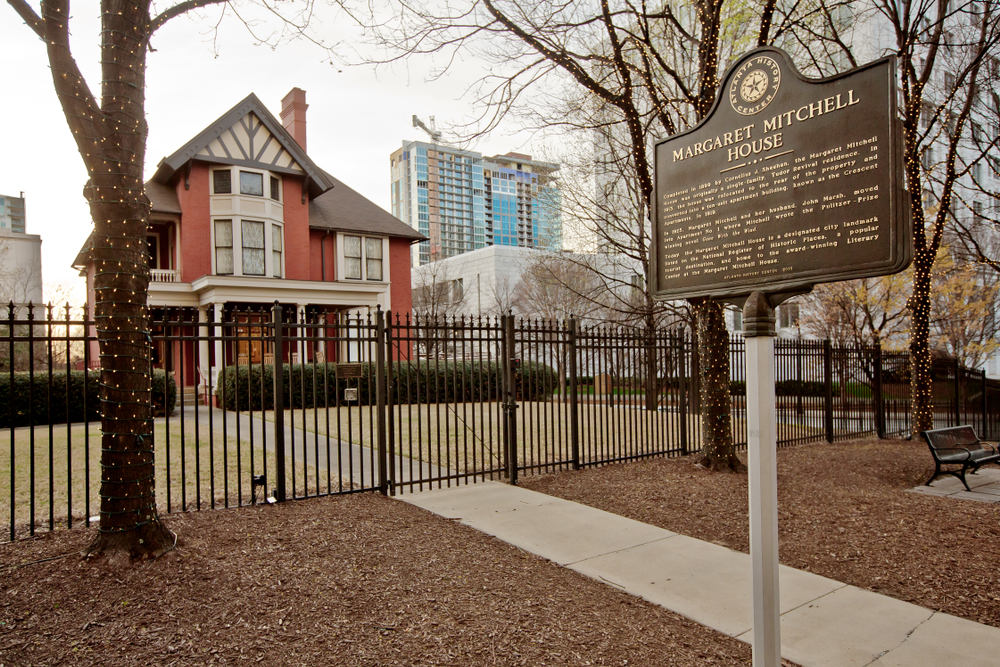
x: 718, y: 450
x: 922, y: 404
x: 111, y: 138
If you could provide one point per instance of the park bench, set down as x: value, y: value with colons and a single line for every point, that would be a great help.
x: 958, y: 446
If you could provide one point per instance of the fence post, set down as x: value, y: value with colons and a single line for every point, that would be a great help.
x: 828, y: 381
x: 985, y: 429
x: 510, y: 400
x: 685, y: 385
x: 958, y: 394
x: 384, y: 482
x: 279, y: 401
x: 390, y: 382
x: 879, y: 396
x: 574, y: 409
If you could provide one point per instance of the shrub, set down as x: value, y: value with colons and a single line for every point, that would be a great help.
x: 32, y: 403
x: 244, y: 387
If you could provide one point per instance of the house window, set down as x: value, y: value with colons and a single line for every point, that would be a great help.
x: 275, y: 189
x: 276, y: 251
x: 363, y: 258
x: 251, y: 183
x: 253, y: 248
x: 352, y: 257
x: 223, y: 247
x: 737, y: 320
x: 222, y: 181
x: 373, y: 258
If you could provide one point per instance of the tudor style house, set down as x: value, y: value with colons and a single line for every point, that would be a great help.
x: 242, y: 218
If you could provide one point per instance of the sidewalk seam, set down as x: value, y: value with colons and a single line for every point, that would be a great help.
x: 831, y: 592
x: 616, y: 551
x: 908, y: 635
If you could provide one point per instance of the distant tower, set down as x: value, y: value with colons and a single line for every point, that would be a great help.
x: 462, y: 201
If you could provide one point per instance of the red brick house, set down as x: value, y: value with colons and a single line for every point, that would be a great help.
x: 242, y: 217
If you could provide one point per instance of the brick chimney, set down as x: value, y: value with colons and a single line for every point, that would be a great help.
x: 293, y: 115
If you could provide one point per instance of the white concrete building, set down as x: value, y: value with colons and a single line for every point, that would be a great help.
x: 20, y: 255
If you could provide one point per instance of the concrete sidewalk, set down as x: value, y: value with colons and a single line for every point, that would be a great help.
x: 823, y: 622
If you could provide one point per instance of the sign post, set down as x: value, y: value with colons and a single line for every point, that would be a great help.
x: 758, y: 329
x: 787, y: 182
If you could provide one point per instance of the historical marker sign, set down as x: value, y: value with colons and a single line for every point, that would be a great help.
x: 787, y: 182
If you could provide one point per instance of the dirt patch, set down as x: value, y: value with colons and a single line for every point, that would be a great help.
x: 843, y: 513
x: 359, y: 580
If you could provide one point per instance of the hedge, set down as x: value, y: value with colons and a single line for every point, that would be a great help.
x: 422, y: 382
x: 38, y: 413
x: 788, y: 388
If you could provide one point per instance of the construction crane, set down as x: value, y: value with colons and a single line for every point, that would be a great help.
x: 431, y: 131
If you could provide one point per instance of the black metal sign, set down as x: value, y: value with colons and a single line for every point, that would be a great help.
x: 348, y: 370
x: 787, y: 182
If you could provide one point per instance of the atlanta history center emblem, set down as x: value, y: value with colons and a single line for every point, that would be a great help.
x: 754, y: 85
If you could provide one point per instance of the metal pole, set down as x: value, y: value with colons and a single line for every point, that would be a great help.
x: 279, y: 402
x: 758, y: 322
x: 574, y: 409
x: 384, y: 483
x: 879, y: 395
x: 828, y: 383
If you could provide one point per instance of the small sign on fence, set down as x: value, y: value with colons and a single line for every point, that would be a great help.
x: 348, y: 370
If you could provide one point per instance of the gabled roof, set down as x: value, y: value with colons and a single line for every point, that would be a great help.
x: 222, y: 142
x: 343, y: 209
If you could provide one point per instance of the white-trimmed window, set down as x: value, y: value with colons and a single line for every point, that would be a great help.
x: 373, y: 258
x: 252, y: 183
x: 222, y: 182
x: 253, y: 248
x: 276, y: 248
x: 223, y: 247
x: 352, y: 257
x: 246, y: 247
x: 364, y: 258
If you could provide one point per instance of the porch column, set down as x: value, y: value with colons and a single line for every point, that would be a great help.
x: 217, y: 336
x: 203, y: 358
x: 300, y: 347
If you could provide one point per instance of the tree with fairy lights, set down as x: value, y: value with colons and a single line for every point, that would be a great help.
x: 634, y: 72
x: 110, y: 134
x: 947, y: 52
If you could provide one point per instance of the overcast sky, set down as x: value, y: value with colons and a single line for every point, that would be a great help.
x: 356, y: 117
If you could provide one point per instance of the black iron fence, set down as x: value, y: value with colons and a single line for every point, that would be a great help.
x: 279, y: 403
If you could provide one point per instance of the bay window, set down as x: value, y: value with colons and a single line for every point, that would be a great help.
x: 248, y: 238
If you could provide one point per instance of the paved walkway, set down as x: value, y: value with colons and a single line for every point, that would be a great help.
x: 823, y: 622
x: 984, y: 488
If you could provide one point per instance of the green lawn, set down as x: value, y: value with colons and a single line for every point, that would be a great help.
x: 223, y: 469
x: 467, y: 437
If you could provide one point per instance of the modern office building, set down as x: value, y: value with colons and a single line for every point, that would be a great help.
x: 463, y: 201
